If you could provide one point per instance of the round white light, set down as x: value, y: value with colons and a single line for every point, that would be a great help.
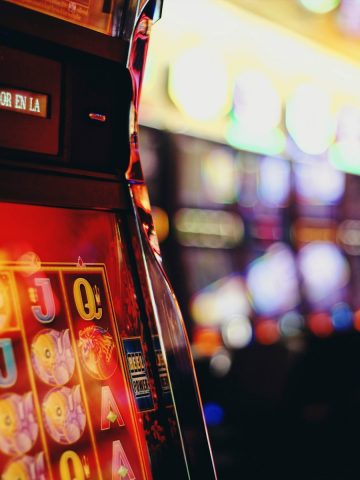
x: 309, y: 119
x: 237, y: 332
x: 325, y: 271
x: 257, y: 105
x: 199, y: 84
x: 220, y: 363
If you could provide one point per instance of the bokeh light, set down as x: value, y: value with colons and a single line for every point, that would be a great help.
x: 220, y: 363
x: 318, y: 183
x: 342, y: 316
x: 208, y: 228
x: 220, y: 301
x: 348, y: 123
x: 218, y: 171
x: 274, y: 184
x: 325, y: 271
x: 320, y: 324
x: 256, y: 104
x: 291, y: 324
x: 161, y: 223
x: 267, y: 332
x: 205, y: 94
x: 206, y: 342
x: 272, y: 281
x: 320, y: 6
x: 214, y: 414
x: 237, y: 332
x: 349, y: 17
x: 349, y: 236
x: 257, y: 110
x: 309, y: 119
x: 357, y: 320
x: 271, y: 142
x: 344, y: 155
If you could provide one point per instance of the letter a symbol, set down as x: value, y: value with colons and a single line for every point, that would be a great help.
x: 9, y: 378
x: 110, y: 412
x: 121, y: 468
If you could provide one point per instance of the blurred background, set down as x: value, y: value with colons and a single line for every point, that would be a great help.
x: 250, y: 144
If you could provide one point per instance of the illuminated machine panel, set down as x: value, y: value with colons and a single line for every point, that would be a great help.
x: 72, y: 386
x: 96, y: 15
x: 25, y: 102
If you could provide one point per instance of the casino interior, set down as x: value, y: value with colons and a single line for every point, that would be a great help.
x: 249, y: 140
x: 250, y: 144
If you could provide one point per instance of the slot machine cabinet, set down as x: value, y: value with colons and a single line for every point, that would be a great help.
x: 96, y: 375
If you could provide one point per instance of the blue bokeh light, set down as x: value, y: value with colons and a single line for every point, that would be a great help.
x: 342, y: 316
x: 214, y: 414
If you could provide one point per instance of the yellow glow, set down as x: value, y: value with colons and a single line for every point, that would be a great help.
x: 5, y: 306
x: 208, y: 228
x: 220, y: 302
x: 32, y: 261
x: 199, y: 84
x: 243, y: 41
x: 218, y: 172
x: 161, y: 222
x: 257, y: 104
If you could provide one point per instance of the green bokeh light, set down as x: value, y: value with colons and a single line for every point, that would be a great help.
x: 345, y: 156
x: 320, y: 6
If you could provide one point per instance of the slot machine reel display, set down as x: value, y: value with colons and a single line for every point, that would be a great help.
x: 96, y: 376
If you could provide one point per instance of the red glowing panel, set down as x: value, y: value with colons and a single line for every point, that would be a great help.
x: 87, y: 13
x: 66, y: 404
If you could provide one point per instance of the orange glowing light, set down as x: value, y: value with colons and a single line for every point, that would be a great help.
x: 206, y: 342
x: 306, y: 231
x: 161, y: 223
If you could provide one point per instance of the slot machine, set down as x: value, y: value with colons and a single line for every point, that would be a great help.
x: 96, y: 375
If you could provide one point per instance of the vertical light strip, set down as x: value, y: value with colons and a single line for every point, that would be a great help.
x: 30, y: 371
x: 73, y: 339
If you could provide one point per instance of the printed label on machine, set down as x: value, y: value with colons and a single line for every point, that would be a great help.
x: 138, y: 373
x: 25, y: 102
